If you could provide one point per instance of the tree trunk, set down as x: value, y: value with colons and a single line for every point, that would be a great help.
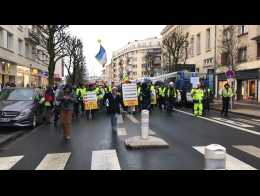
x: 51, y: 69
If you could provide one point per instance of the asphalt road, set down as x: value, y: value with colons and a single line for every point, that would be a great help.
x: 95, y: 146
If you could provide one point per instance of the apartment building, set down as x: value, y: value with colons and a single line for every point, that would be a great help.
x: 130, y: 59
x: 18, y: 57
x: 205, y: 42
x: 107, y: 73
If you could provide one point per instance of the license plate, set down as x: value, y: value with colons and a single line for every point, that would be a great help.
x: 4, y: 119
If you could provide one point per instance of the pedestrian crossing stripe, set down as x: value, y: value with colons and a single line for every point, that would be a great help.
x: 121, y: 131
x: 234, y: 123
x: 222, y: 123
x: 133, y: 119
x: 55, y: 161
x: 120, y: 119
x: 7, y: 163
x: 257, y: 120
x: 232, y: 163
x: 252, y: 150
x: 105, y: 160
x: 247, y: 121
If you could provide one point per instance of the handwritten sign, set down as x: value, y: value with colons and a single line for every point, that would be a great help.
x: 130, y: 94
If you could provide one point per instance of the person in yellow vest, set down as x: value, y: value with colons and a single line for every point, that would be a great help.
x: 91, y: 88
x: 197, y: 96
x: 226, y: 94
x: 161, y: 98
x: 80, y: 93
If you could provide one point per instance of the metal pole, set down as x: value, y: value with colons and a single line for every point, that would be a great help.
x: 215, y: 62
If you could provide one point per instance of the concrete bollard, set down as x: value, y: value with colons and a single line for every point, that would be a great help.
x: 145, y: 124
x: 215, y: 157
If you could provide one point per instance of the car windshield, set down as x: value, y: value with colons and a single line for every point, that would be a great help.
x: 16, y: 95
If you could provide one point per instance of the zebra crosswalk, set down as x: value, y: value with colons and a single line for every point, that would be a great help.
x: 232, y: 163
x: 109, y: 160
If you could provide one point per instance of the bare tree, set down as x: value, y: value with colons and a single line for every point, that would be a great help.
x: 52, y: 38
x: 229, y: 46
x: 176, y: 47
x: 75, y: 60
x: 149, y: 60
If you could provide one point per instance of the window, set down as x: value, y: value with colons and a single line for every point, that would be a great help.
x: 27, y: 50
x: 198, y: 44
x: 242, y: 55
x: 258, y: 50
x: 20, y: 46
x: 192, y: 46
x: 9, y: 40
x: 224, y: 59
x: 1, y: 37
x: 226, y: 35
x: 242, y: 29
x: 208, y: 46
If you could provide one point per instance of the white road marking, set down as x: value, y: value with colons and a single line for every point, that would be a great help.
x: 247, y: 121
x: 7, y: 163
x: 233, y: 122
x: 257, y: 120
x: 121, y: 131
x: 105, y: 160
x: 222, y: 123
x: 252, y: 150
x: 55, y: 161
x: 132, y: 118
x: 232, y: 163
x: 151, y: 132
x: 120, y: 119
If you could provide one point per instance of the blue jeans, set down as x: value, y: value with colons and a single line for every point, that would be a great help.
x: 113, y: 118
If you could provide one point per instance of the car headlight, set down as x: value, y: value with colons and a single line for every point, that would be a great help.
x: 25, y: 112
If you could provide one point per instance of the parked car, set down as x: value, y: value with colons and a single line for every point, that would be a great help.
x: 20, y: 107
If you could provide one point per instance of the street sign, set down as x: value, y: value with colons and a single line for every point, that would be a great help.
x: 130, y: 94
x: 230, y: 74
x: 194, y: 81
x: 90, y: 101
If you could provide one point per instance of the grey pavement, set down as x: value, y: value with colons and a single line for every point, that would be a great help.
x: 94, y: 145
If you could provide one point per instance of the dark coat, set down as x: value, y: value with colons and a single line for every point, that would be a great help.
x: 114, y: 104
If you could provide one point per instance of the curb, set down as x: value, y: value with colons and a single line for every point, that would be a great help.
x: 243, y: 114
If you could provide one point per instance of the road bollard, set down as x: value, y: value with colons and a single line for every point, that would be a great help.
x: 215, y: 157
x: 145, y: 124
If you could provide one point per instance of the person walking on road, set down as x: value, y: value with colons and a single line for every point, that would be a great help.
x: 226, y: 94
x: 114, y: 101
x: 171, y: 97
x: 48, y: 103
x: 197, y: 95
x: 206, y: 99
x: 67, y: 99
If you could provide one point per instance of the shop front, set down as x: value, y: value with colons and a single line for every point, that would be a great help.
x: 7, y: 72
x: 22, y: 76
x: 246, y: 84
x: 44, y: 78
x: 35, y: 78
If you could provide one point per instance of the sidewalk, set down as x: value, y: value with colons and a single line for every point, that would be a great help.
x: 251, y: 110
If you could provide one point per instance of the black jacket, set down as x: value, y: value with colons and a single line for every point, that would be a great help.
x: 114, y: 103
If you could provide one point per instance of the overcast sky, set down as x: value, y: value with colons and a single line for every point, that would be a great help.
x: 113, y: 37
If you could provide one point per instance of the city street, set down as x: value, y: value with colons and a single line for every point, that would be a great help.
x: 94, y: 146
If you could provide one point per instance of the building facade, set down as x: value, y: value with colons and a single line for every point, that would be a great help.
x: 18, y: 57
x: 107, y: 73
x: 205, y: 51
x: 130, y: 59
